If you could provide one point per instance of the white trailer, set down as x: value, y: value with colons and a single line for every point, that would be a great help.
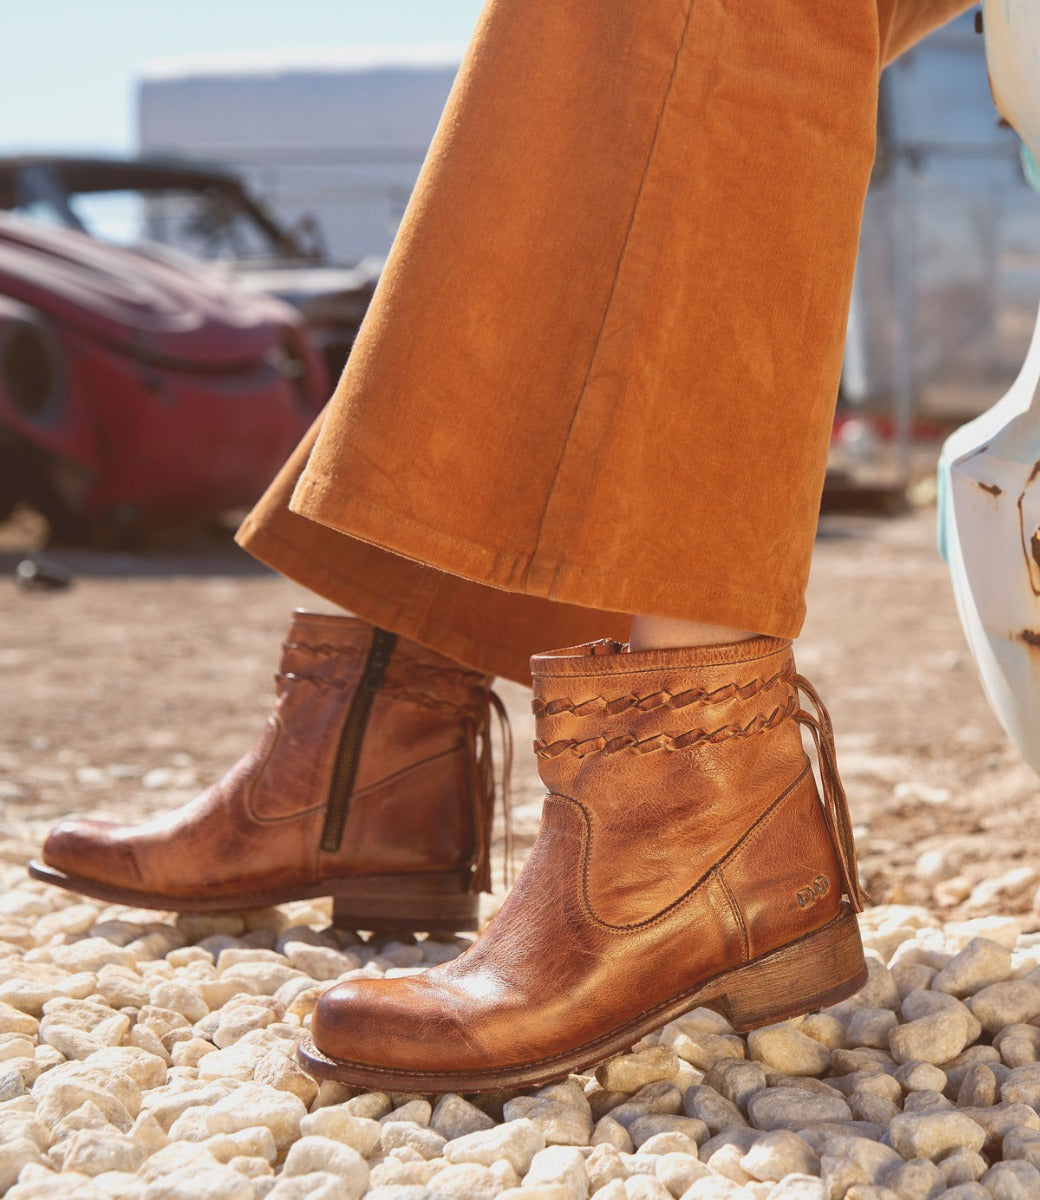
x: 339, y: 137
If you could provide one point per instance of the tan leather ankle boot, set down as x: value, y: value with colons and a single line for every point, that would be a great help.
x: 371, y: 782
x: 685, y: 858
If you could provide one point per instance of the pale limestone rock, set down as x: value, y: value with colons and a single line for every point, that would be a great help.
x: 669, y: 1143
x: 15, y: 1153
x: 427, y: 1143
x: 466, y: 1181
x: 373, y: 1105
x: 90, y: 954
x: 36, y: 983
x: 560, y: 1112
x: 279, y: 1070
x: 706, y: 1049
x: 1022, y: 1085
x: 419, y: 1112
x: 311, y: 1154
x: 713, y: 1188
x: 630, y: 1072
x: 191, y: 1052
x: 871, y: 1027
x: 1022, y: 1143
x: 786, y: 1049
x: 614, y: 1190
x: 1012, y: 1003
x: 644, y: 1128
x: 979, y: 1088
x: 603, y: 1166
x: 189, y: 1183
x: 320, y: 962
x: 912, y: 976
x: 179, y: 997
x: 392, y: 1172
x: 920, y: 1076
x: 736, y: 1081
x: 936, y: 1038
x: 932, y: 1134
x: 799, y: 1187
x: 254, y: 1142
x: 678, y: 1172
x: 515, y: 1141
x: 825, y: 1029
x: 13, y: 1020
x: 541, y: 1191
x: 238, y: 1019
x: 360, y: 1133
x: 919, y: 1179
x: 166, y: 1104
x: 454, y: 1117
x: 122, y: 987
x: 982, y: 962
x: 962, y: 1166
x: 967, y: 1191
x: 778, y: 1154
x: 610, y: 1132
x: 715, y: 1111
x: 794, y: 1108
x: 92, y: 1151
x: 646, y: 1187
x: 1015, y: 1180
x: 559, y: 1165
x: 254, y: 1104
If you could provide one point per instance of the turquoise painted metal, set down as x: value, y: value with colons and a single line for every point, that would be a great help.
x: 989, y: 470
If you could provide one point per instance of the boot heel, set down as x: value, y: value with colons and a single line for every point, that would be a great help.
x: 405, y: 903
x: 819, y: 969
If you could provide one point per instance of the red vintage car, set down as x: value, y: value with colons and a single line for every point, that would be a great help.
x: 137, y: 391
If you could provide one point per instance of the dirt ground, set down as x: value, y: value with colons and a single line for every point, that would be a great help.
x: 141, y: 682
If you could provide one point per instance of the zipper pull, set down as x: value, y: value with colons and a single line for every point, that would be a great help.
x: 383, y: 644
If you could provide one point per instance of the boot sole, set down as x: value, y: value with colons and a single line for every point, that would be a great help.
x: 430, y: 903
x: 819, y: 969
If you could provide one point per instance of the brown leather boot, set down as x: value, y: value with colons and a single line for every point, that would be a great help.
x: 371, y: 783
x: 685, y: 858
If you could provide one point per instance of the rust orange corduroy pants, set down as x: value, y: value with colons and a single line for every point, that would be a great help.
x: 599, y: 372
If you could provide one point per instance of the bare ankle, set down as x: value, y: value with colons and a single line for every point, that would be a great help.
x: 661, y: 633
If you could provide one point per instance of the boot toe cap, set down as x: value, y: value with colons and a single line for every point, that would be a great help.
x: 87, y: 849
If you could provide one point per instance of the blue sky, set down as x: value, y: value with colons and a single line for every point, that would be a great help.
x: 68, y: 67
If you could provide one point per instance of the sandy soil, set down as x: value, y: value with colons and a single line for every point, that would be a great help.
x: 131, y: 689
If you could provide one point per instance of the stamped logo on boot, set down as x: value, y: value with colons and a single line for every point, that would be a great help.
x: 819, y: 888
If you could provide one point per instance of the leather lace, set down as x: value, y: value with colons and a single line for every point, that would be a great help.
x: 478, y: 736
x: 835, y: 802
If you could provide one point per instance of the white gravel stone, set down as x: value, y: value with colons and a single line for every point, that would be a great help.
x: 559, y: 1165
x: 630, y: 1072
x: 254, y: 1104
x: 794, y: 1108
x: 786, y: 1049
x: 562, y: 1114
x: 778, y: 1154
x: 467, y: 1181
x: 516, y: 1141
x: 359, y: 1133
x: 314, y: 1154
x: 395, y: 1134
x: 318, y: 1185
x: 932, y: 1134
x: 454, y: 1117
x: 799, y: 1187
x: 189, y: 1183
x: 1014, y: 1002
x: 612, y: 1133
x: 715, y: 1111
x: 1016, y: 1180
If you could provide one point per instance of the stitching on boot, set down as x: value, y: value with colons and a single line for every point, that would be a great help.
x: 596, y: 705
x: 667, y: 741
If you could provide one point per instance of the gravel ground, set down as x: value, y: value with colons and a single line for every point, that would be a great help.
x: 144, y: 1055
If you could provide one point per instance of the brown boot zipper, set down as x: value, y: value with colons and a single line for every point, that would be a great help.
x: 352, y: 738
